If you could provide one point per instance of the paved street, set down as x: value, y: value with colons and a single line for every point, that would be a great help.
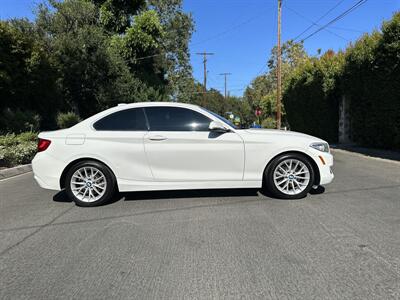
x: 343, y: 244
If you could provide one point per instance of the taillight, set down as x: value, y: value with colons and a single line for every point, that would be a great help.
x: 43, y: 144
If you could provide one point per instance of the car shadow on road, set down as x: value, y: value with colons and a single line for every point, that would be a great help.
x: 182, y: 194
x: 179, y: 194
x: 173, y: 194
x: 61, y: 196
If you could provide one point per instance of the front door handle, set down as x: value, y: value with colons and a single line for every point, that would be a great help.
x: 157, y: 138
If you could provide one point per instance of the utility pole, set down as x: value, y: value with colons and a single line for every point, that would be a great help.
x: 225, y: 75
x: 279, y: 70
x: 205, y: 67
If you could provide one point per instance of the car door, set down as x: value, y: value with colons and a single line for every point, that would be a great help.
x: 180, y: 147
x: 118, y: 138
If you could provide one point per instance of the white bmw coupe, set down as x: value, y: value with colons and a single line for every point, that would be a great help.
x: 172, y: 146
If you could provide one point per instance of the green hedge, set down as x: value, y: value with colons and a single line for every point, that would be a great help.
x: 17, y: 149
x: 371, y: 80
x: 367, y: 74
x: 310, y: 97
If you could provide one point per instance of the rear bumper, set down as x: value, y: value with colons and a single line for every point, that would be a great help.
x: 47, y: 171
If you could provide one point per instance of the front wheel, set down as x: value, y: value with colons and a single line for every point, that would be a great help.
x: 90, y: 183
x: 290, y: 176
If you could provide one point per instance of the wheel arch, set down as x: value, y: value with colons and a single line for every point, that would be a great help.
x: 74, y: 162
x: 317, y: 178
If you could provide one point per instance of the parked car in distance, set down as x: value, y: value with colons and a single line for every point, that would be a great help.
x: 173, y: 146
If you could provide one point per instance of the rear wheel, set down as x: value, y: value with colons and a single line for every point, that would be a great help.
x: 90, y: 183
x: 290, y: 176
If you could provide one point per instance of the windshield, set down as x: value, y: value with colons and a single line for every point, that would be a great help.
x: 222, y: 118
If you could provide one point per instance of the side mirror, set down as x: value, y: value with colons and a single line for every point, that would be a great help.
x: 217, y: 127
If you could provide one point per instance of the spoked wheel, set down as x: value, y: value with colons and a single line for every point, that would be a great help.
x: 90, y: 183
x: 290, y: 176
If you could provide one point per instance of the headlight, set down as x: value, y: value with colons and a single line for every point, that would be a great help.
x: 323, y: 147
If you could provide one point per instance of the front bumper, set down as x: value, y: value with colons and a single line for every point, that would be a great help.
x: 326, y: 176
x: 324, y: 162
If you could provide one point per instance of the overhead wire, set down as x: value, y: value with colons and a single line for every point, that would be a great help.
x: 313, y: 24
x: 339, y: 17
x: 319, y: 19
x: 234, y: 27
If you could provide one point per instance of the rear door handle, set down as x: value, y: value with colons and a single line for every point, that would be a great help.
x: 157, y: 138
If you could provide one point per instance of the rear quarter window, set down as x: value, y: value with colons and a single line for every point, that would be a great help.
x: 132, y: 119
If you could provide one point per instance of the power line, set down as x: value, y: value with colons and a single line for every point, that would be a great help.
x: 234, y: 27
x: 339, y: 17
x: 348, y: 29
x: 313, y: 24
x: 319, y: 19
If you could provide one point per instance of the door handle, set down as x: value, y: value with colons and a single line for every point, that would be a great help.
x: 157, y: 138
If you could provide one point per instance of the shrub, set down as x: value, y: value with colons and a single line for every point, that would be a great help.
x: 66, y: 120
x: 268, y: 123
x: 17, y: 149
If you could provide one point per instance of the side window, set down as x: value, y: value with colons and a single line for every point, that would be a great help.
x: 164, y: 118
x: 124, y: 120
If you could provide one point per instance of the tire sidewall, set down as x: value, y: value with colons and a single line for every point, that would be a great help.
x: 111, y: 183
x: 269, y: 176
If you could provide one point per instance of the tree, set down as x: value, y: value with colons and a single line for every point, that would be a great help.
x: 143, y: 40
x: 116, y: 15
x: 178, y: 28
x: 24, y: 70
x: 91, y: 76
x: 262, y: 91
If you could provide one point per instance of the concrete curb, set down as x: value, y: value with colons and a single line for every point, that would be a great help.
x: 18, y: 170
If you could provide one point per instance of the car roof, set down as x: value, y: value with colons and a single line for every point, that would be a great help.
x: 159, y: 103
x: 123, y: 106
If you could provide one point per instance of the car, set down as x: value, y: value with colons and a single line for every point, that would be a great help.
x: 173, y: 146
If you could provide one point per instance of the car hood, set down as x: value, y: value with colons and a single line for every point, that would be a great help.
x: 259, y: 133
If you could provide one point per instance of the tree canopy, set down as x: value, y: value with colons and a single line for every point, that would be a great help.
x: 86, y: 55
x: 262, y: 91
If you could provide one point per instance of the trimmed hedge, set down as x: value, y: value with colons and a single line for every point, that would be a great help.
x: 371, y: 80
x: 310, y: 98
x: 367, y: 74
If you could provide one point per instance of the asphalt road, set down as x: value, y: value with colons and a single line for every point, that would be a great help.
x: 342, y: 244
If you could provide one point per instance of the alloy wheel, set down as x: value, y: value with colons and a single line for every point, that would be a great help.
x: 291, y: 176
x: 88, y: 184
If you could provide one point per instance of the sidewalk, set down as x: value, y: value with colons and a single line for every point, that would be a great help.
x: 379, y: 153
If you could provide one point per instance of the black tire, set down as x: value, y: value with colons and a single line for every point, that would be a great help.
x: 269, y: 176
x: 110, y: 183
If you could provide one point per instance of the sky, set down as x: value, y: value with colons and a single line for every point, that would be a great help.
x: 241, y: 33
